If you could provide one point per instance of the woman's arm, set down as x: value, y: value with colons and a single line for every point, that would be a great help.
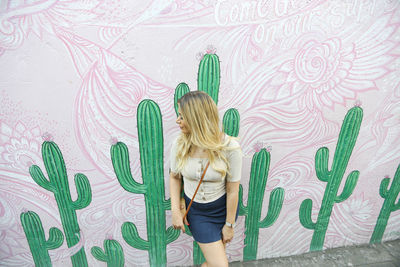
x: 234, y: 158
x: 175, y: 182
x: 232, y: 198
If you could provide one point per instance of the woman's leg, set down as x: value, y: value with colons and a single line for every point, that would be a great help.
x: 214, y: 253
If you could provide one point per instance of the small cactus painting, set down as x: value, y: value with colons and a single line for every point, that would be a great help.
x: 38, y: 244
x: 113, y: 254
x: 389, y: 205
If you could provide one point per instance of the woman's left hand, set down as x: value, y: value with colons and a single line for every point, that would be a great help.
x: 227, y: 234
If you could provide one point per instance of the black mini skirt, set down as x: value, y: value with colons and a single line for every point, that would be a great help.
x: 206, y: 220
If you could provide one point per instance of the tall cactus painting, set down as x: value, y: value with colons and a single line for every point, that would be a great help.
x: 389, y: 205
x: 344, y: 147
x: 258, y: 180
x: 208, y: 80
x: 113, y: 254
x: 58, y: 184
x: 38, y: 244
x: 151, y: 146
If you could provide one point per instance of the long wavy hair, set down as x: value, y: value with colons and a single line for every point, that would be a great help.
x: 200, y: 114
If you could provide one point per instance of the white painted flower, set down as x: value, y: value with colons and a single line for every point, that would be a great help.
x: 318, y: 72
x: 325, y: 73
x: 20, y: 147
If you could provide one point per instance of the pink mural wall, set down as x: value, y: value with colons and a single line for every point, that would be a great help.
x: 75, y: 71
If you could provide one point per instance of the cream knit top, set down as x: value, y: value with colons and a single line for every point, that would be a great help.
x: 213, y: 185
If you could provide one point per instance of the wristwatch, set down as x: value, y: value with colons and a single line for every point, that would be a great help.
x: 231, y: 225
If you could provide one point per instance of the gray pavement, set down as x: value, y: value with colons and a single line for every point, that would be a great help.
x: 378, y: 255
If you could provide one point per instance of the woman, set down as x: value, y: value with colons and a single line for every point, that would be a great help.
x: 212, y: 216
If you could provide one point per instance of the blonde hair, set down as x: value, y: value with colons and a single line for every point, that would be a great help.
x: 200, y: 114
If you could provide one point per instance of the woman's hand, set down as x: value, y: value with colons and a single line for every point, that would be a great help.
x: 227, y: 234
x: 177, y: 217
x: 177, y: 221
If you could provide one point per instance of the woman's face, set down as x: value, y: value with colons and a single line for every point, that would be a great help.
x: 181, y: 122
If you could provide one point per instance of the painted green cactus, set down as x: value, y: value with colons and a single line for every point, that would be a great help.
x: 258, y: 180
x: 58, y: 184
x: 38, y: 244
x: 347, y: 139
x: 113, y: 254
x: 389, y: 205
x: 231, y: 122
x: 151, y: 159
x: 180, y: 90
x: 209, y: 75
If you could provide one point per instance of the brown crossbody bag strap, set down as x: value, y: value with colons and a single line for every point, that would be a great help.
x: 195, y: 192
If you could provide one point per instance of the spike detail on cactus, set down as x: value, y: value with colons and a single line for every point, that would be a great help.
x: 38, y: 244
x: 58, y: 184
x: 151, y: 149
x: 258, y: 180
x: 113, y: 254
x: 344, y: 147
x: 389, y: 205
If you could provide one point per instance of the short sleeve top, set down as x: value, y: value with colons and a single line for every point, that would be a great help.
x: 213, y: 185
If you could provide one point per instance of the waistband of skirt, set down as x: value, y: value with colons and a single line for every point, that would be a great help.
x: 220, y: 201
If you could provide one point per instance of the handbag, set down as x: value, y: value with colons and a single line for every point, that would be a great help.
x: 195, y: 192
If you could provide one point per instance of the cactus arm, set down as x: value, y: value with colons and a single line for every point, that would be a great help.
x: 131, y: 236
x: 180, y: 91
x: 396, y: 206
x: 172, y: 234
x: 120, y: 160
x: 40, y: 179
x: 167, y: 204
x: 243, y: 211
x: 383, y: 189
x: 305, y: 214
x: 395, y: 189
x: 98, y: 254
x: 349, y: 186
x: 56, y: 238
x: 83, y: 191
x: 274, y: 207
x: 321, y: 164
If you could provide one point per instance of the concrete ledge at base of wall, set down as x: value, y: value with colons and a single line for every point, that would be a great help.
x: 386, y: 254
